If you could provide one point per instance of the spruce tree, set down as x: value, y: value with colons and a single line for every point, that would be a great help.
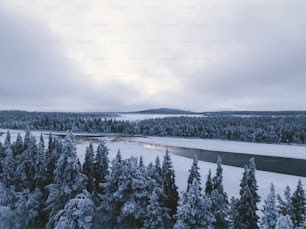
x: 270, y: 214
x: 157, y: 215
x: 220, y: 205
x: 28, y: 207
x: 77, y: 213
x: 88, y: 167
x: 194, y: 210
x: 101, y: 164
x: 7, y: 141
x: 285, y: 206
x: 233, y: 212
x: 9, y: 166
x: 208, y: 184
x: 194, y: 173
x: 52, y: 155
x: 68, y: 180
x: 299, y: 206
x: 17, y: 146
x: 40, y: 164
x: 25, y: 170
x: 168, y: 184
x: 126, y: 196
x: 245, y: 211
x: 110, y: 206
x: 252, y: 183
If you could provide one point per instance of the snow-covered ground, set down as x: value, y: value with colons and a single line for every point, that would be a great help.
x: 138, y: 117
x: 232, y: 175
x: 277, y: 150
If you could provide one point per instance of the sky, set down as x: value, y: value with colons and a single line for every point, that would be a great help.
x: 125, y: 55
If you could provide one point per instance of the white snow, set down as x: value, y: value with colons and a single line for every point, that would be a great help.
x: 277, y: 150
x: 232, y: 175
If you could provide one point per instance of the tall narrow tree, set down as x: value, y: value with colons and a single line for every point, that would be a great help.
x: 194, y: 173
x: 299, y: 206
x: 220, y: 204
x: 168, y: 184
x: 68, y: 180
x: 88, y: 167
x: 209, y: 184
x: 270, y: 214
x: 101, y: 164
x: 194, y: 210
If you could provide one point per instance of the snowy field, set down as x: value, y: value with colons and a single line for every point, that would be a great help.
x: 232, y: 175
x: 139, y: 117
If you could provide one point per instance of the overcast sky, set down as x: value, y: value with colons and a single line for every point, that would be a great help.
x: 113, y: 55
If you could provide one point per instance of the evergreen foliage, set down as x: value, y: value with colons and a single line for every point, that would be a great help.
x: 284, y: 222
x: 168, y: 184
x: 299, y: 206
x: 101, y: 169
x: 270, y: 214
x: 209, y: 184
x: 88, y: 167
x: 68, y: 180
x: 194, y: 210
x: 194, y: 173
x: 218, y: 196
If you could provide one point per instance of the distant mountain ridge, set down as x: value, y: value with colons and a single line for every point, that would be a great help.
x: 162, y: 111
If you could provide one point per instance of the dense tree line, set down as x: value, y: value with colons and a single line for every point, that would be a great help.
x: 266, y: 129
x: 46, y: 186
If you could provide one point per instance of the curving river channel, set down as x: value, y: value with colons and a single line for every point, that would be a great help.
x: 289, y: 166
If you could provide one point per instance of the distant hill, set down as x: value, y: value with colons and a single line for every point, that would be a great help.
x: 162, y: 111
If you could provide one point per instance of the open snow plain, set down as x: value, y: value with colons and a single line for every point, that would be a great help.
x: 232, y: 175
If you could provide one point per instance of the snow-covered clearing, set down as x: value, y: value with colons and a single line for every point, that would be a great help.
x: 139, y: 117
x: 232, y: 175
x: 277, y: 150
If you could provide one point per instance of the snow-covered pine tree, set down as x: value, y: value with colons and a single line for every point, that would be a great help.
x: 285, y: 206
x: 157, y: 215
x: 126, y: 195
x: 270, y: 214
x: 133, y: 193
x: 194, y: 210
x: 194, y: 173
x: 40, y: 164
x: 252, y: 183
x: 68, y: 180
x: 101, y: 165
x: 25, y: 169
x: 284, y: 222
x: 158, y: 170
x: 17, y: 146
x: 168, y: 184
x: 233, y: 212
x: 7, y: 141
x: 27, y: 138
x: 52, y: 155
x: 141, y: 164
x: 77, y: 213
x: 7, y: 206
x: 88, y: 167
x: 244, y: 219
x: 110, y: 207
x: 299, y: 206
x: 27, y: 209
x: 208, y: 184
x: 9, y: 166
x: 220, y: 204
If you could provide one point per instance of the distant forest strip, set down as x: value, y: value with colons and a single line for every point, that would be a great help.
x: 290, y: 128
